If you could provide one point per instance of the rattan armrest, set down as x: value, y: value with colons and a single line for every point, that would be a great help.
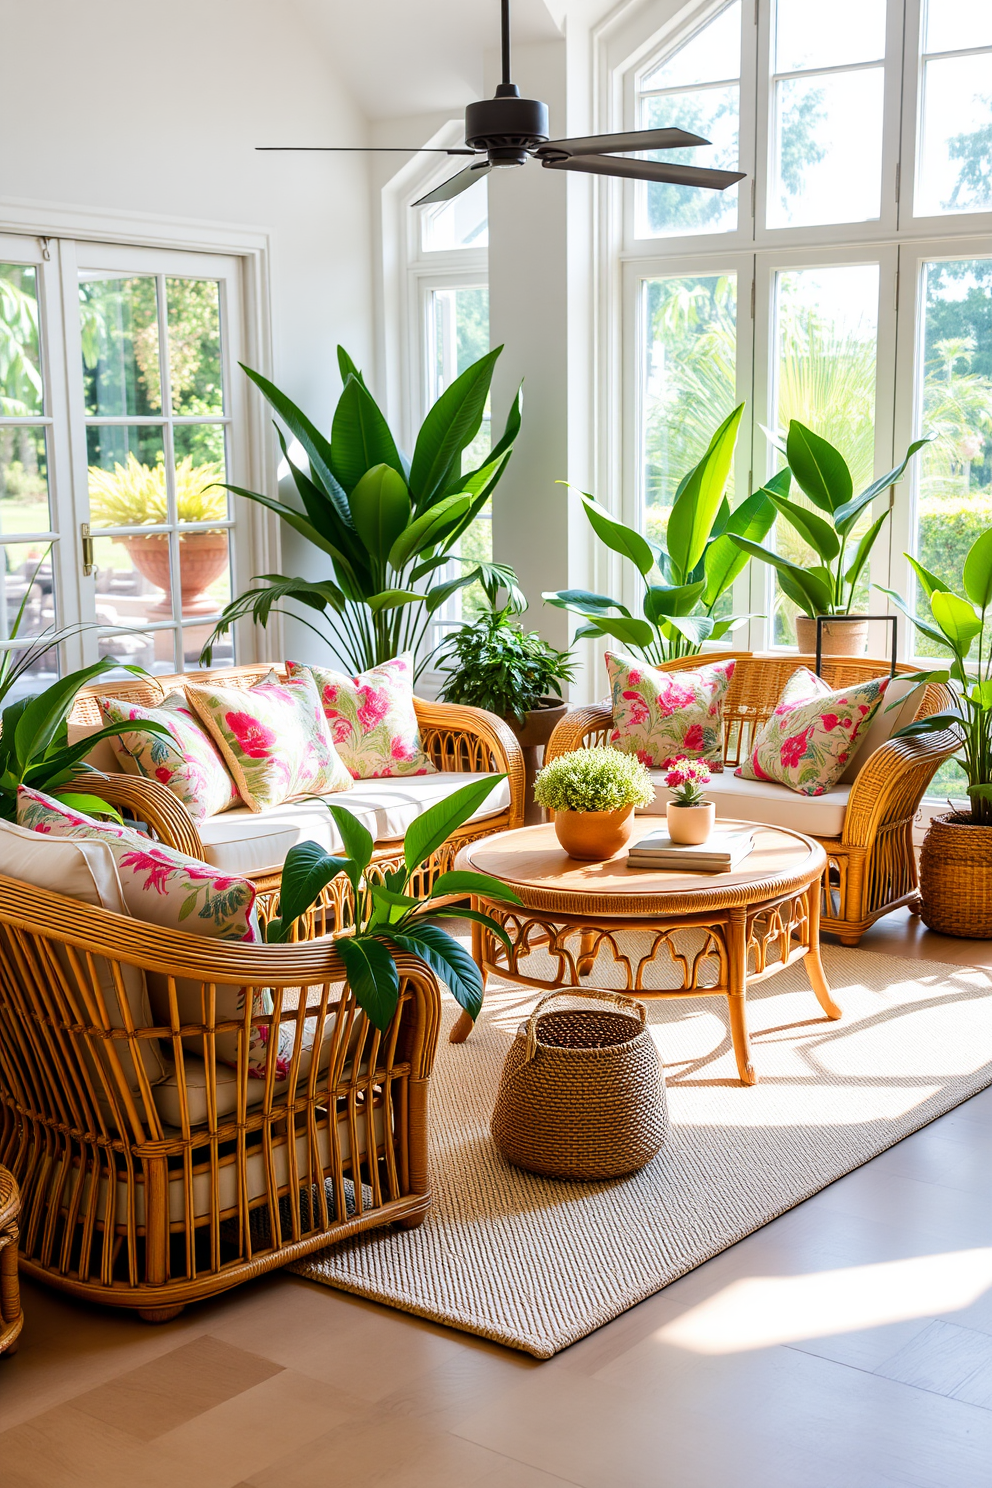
x: 576, y: 727
x: 892, y: 784
x: 152, y: 803
x: 457, y: 737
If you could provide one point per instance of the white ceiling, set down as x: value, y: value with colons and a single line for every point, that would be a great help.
x: 403, y: 57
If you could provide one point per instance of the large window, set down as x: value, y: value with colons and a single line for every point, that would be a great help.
x: 117, y: 422
x: 820, y: 289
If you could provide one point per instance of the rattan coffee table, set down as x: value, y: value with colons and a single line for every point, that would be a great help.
x: 753, y: 922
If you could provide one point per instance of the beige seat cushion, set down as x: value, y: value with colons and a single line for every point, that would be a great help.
x: 763, y: 801
x: 245, y: 842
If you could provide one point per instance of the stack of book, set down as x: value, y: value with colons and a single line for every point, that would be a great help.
x: 720, y: 853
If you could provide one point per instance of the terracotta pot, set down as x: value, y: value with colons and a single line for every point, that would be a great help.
x: 533, y: 734
x: 956, y: 877
x: 848, y: 638
x: 690, y: 825
x: 203, y: 557
x: 594, y: 836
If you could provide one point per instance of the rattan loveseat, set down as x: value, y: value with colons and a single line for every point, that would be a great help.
x: 871, y: 864
x: 458, y: 740
x: 153, y: 1193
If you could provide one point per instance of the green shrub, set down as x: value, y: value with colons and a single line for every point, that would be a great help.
x: 602, y: 779
x: 948, y: 526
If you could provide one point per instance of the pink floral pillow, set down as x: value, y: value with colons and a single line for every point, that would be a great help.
x: 808, y: 741
x: 188, y: 764
x: 274, y: 738
x: 372, y: 718
x: 658, y: 715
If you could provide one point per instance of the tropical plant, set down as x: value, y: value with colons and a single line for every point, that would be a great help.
x: 34, y: 740
x: 385, y: 524
x: 822, y: 473
x: 686, y: 778
x: 603, y: 779
x: 959, y: 621
x: 133, y: 494
x: 385, y: 917
x: 696, y: 566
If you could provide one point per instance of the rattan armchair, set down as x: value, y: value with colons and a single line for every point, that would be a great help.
x: 871, y: 867
x: 123, y: 1207
x: 453, y: 737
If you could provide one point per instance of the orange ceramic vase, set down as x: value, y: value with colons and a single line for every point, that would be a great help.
x: 594, y: 835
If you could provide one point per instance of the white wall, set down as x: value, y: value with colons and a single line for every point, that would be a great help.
x: 133, y: 107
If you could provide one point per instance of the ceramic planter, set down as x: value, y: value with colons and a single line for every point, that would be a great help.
x: 844, y: 639
x: 690, y: 825
x: 956, y: 877
x: 594, y: 835
x: 532, y: 735
x: 203, y: 557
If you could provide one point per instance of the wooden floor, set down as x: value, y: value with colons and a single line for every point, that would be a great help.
x: 846, y: 1345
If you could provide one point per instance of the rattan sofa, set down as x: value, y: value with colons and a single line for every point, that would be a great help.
x: 458, y: 740
x: 871, y: 864
x: 152, y: 1194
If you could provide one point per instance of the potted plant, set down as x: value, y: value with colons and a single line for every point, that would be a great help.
x: 492, y: 663
x: 134, y: 495
x: 385, y: 916
x: 686, y: 579
x: 829, y: 587
x: 690, y: 817
x: 592, y: 793
x: 384, y: 524
x: 956, y: 859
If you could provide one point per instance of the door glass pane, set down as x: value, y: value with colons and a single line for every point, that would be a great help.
x: 688, y: 380
x: 23, y: 480
x: 826, y: 332
x: 127, y: 483
x: 954, y: 473
x: 21, y: 392
x: 194, y: 346
x: 199, y: 462
x: 805, y: 39
x: 952, y: 24
x: 694, y: 88
x: 956, y: 142
x: 119, y: 328
x: 828, y: 148
x: 461, y: 223
x: 26, y: 578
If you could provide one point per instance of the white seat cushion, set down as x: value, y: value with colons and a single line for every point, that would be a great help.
x: 244, y: 842
x: 763, y: 801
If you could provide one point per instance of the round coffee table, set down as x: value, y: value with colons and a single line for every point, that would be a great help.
x: 754, y: 921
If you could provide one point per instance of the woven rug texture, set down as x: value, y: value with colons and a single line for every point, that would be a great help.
x: 537, y: 1264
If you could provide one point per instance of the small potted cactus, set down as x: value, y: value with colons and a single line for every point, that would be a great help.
x: 592, y: 793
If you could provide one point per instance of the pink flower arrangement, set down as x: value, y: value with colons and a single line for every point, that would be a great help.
x: 686, y: 778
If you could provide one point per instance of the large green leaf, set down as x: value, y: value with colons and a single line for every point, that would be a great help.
x: 845, y: 516
x: 56, y: 764
x: 427, y: 833
x: 864, y: 550
x: 932, y: 583
x: 372, y: 977
x: 695, y: 628
x: 921, y: 625
x: 45, y: 714
x: 317, y: 447
x: 462, y: 881
x: 956, y: 619
x: 427, y: 530
x: 451, y: 424
x: 817, y: 597
x: 482, y: 480
x: 696, y: 508
x: 632, y: 632
x: 360, y: 437
x: 393, y: 599
x: 618, y: 538
x: 448, y: 960
x: 813, y: 529
x: 347, y: 367
x: 296, y: 520
x: 380, y: 509
x: 723, y: 559
x: 325, y: 504
x: 978, y: 571
x: 582, y: 601
x: 87, y: 804
x: 358, y: 842
x: 663, y: 600
x: 307, y: 871
x: 820, y: 469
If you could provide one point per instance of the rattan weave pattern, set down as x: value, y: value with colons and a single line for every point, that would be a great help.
x: 956, y: 877
x: 11, y: 1316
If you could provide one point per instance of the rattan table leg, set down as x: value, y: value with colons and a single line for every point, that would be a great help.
x: 737, y: 993
x: 814, y: 966
x: 587, y: 952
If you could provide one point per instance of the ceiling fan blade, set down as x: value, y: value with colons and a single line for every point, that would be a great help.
x: 373, y: 149
x: 457, y: 184
x: 648, y: 170
x: 631, y: 139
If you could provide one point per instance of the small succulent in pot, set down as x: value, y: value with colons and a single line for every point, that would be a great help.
x: 690, y: 817
x: 593, y: 793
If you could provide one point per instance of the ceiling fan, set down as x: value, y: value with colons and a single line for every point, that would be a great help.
x: 508, y: 130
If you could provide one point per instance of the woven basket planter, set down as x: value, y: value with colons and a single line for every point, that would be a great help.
x: 956, y: 877
x: 582, y: 1093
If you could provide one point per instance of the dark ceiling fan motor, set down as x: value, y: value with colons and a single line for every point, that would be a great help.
x: 507, y: 127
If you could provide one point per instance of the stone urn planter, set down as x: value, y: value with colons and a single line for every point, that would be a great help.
x: 533, y: 734
x: 203, y: 557
x: 845, y: 639
x: 956, y: 877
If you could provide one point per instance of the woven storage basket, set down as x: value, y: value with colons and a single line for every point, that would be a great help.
x: 956, y: 877
x: 582, y: 1093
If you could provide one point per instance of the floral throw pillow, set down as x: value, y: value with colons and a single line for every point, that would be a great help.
x: 809, y: 739
x: 658, y: 715
x: 274, y: 739
x: 372, y: 718
x: 188, y: 764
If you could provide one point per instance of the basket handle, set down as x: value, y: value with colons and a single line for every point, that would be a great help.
x: 616, y: 997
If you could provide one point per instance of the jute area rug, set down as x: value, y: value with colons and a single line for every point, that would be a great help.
x: 538, y: 1264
